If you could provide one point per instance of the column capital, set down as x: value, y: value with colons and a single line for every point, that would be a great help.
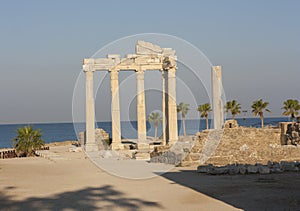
x: 172, y: 70
x: 139, y: 70
x: 114, y: 70
x: 140, y: 74
x: 88, y: 68
x: 217, y: 70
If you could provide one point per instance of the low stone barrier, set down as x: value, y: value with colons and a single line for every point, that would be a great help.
x: 271, y: 167
x: 8, y: 153
x: 11, y: 153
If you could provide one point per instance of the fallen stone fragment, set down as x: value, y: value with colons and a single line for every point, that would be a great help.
x: 252, y: 169
x: 287, y: 166
x: 264, y: 170
x: 242, y: 170
x: 233, y: 170
x: 203, y: 169
x: 218, y: 170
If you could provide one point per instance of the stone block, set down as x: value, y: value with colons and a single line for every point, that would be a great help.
x: 275, y: 170
x: 143, y: 146
x: 91, y: 147
x: 252, y: 169
x: 142, y: 156
x: 144, y: 48
x: 204, y: 169
x: 233, y: 169
x: 264, y: 170
x: 117, y: 146
x: 168, y: 52
x: 276, y: 165
x: 75, y: 149
x: 242, y: 170
x: 113, y: 56
x: 131, y: 56
x: 287, y: 166
x: 218, y: 170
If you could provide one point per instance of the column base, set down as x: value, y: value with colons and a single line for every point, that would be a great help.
x: 171, y: 142
x: 117, y: 146
x: 91, y: 147
x: 142, y: 156
x: 143, y: 146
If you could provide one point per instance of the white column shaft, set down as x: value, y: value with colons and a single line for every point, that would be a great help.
x: 115, y: 110
x: 90, y: 112
x: 141, y: 108
x: 172, y: 107
x: 164, y: 141
x: 217, y: 90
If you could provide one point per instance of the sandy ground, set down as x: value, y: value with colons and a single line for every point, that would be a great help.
x: 73, y: 182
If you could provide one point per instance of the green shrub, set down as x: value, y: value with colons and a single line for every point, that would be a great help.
x: 27, y: 141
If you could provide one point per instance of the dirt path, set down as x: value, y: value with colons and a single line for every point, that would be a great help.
x: 75, y: 183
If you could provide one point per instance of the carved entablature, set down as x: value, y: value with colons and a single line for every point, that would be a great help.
x: 147, y: 57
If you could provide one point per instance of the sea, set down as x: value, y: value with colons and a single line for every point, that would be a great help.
x: 58, y: 132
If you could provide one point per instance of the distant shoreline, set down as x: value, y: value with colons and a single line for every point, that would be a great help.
x: 70, y: 122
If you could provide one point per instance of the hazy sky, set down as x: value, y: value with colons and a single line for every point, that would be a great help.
x: 43, y: 43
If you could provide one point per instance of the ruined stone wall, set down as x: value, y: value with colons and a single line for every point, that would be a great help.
x: 100, y: 136
x: 244, y: 145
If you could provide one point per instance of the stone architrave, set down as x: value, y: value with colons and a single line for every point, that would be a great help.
x: 217, y: 90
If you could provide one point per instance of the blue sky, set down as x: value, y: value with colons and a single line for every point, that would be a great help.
x: 43, y: 43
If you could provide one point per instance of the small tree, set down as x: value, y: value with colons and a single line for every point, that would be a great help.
x: 183, y: 109
x: 27, y: 141
x: 204, y: 110
x: 156, y: 119
x: 233, y: 107
x: 258, y: 108
x: 291, y: 108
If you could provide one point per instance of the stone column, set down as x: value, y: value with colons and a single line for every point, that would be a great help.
x: 141, y: 110
x: 163, y: 108
x: 90, y: 144
x: 217, y: 89
x: 172, y: 107
x: 115, y: 111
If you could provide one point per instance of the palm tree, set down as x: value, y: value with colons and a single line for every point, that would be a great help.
x: 183, y: 109
x: 204, y: 110
x: 258, y: 108
x: 27, y: 140
x: 156, y: 119
x: 291, y: 108
x: 233, y: 107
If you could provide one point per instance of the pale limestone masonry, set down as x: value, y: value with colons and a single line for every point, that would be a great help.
x: 147, y: 57
x: 217, y: 90
x: 100, y: 136
x: 231, y: 124
x: 115, y: 110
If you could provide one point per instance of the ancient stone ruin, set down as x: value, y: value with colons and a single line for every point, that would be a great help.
x: 231, y: 124
x: 147, y: 57
x: 290, y: 133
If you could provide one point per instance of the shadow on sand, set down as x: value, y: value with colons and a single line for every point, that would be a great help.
x: 100, y: 198
x: 248, y: 192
